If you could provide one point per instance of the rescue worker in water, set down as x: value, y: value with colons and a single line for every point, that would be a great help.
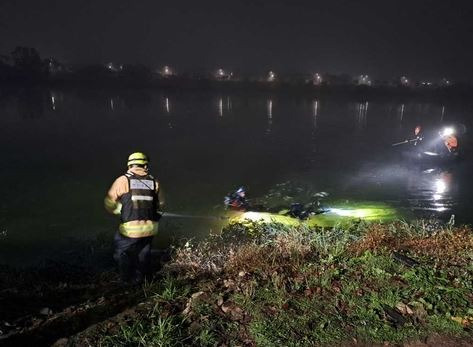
x: 135, y: 197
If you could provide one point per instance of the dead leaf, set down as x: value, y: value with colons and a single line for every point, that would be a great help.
x: 404, y: 309
x: 196, y: 295
x: 229, y: 283
x: 465, y: 321
x: 220, y: 301
x: 235, y: 312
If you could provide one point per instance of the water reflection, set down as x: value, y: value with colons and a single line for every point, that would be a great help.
x: 167, y: 105
x: 53, y: 101
x: 316, y: 112
x: 401, y: 114
x: 220, y: 107
x: 269, y: 113
x: 432, y: 190
x: 362, y: 115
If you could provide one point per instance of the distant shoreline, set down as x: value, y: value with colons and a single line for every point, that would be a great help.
x: 455, y: 92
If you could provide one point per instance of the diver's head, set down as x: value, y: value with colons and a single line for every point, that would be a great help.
x: 417, y: 130
x: 241, y: 192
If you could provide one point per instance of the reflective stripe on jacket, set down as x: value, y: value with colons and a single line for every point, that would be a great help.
x: 134, y: 196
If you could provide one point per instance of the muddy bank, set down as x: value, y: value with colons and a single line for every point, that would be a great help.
x: 262, y: 284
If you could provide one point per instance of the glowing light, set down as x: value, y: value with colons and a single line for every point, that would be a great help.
x: 357, y: 213
x: 166, y: 71
x: 447, y: 132
x: 53, y: 102
x: 271, y: 76
x: 440, y: 186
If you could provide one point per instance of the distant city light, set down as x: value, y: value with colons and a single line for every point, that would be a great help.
x: 364, y: 80
x: 166, y: 71
x: 317, y: 80
x: 404, y: 81
x: 271, y: 76
x: 221, y: 74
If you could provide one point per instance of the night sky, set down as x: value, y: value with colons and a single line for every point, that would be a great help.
x: 383, y: 38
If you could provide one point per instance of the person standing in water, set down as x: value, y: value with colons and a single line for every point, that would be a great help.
x: 135, y: 197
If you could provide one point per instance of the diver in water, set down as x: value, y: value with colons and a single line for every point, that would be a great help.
x: 419, y: 135
x: 237, y: 200
x: 450, y: 140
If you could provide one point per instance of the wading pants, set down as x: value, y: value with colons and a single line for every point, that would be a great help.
x: 133, y: 256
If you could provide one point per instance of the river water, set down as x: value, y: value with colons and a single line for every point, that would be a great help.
x: 61, y: 150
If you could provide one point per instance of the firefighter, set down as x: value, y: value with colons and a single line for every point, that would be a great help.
x: 135, y: 197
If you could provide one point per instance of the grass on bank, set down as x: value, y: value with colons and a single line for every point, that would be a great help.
x: 366, y: 283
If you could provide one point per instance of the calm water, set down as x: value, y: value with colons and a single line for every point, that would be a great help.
x: 61, y: 150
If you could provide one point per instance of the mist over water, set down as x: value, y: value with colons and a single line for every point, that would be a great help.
x: 61, y: 150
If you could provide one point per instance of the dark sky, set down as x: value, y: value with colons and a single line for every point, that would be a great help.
x: 419, y: 38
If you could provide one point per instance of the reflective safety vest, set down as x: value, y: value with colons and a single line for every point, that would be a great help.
x: 139, y: 213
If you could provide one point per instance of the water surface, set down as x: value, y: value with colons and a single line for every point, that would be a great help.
x: 61, y: 150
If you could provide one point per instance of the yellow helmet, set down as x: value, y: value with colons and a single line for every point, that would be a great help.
x: 137, y: 158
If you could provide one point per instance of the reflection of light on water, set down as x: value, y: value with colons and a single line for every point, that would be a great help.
x: 269, y: 109
x: 440, y: 186
x: 316, y: 112
x: 220, y: 107
x: 167, y: 106
x: 53, y: 102
x: 401, y: 113
x: 356, y: 213
x: 362, y: 115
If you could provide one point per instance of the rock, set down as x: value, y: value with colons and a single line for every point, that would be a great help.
x: 61, y: 342
x: 46, y: 311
